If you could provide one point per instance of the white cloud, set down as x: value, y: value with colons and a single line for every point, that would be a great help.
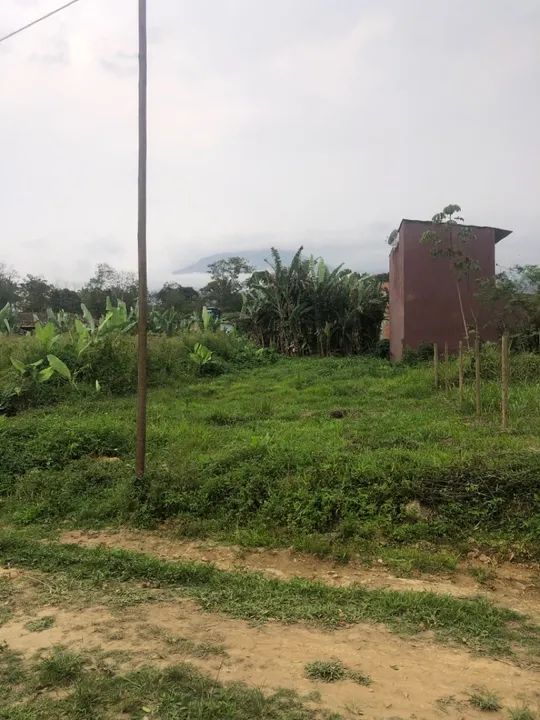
x: 330, y: 69
x: 284, y: 122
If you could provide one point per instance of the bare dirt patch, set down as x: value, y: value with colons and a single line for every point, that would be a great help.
x: 409, y: 676
x: 513, y: 585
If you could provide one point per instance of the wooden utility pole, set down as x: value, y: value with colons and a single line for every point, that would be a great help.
x: 436, y: 364
x: 142, y: 345
x: 504, y: 381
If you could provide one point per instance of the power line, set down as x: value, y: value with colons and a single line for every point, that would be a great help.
x: 35, y: 22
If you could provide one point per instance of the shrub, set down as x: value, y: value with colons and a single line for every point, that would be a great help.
x: 112, y: 361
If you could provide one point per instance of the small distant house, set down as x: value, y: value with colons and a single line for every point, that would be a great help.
x: 424, y: 304
x: 27, y: 321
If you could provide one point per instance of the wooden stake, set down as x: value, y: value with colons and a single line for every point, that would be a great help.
x: 504, y: 380
x: 446, y: 369
x: 477, y: 375
x: 142, y: 342
x: 461, y: 373
x: 436, y: 364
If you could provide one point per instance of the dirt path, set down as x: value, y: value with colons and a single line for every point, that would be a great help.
x: 411, y: 679
x: 513, y: 585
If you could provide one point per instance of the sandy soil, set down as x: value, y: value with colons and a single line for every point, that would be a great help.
x: 513, y: 585
x: 413, y: 678
x: 409, y: 677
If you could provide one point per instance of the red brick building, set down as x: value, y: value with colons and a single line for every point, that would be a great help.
x: 423, y: 288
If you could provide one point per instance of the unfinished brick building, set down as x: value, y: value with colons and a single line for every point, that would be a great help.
x: 424, y: 300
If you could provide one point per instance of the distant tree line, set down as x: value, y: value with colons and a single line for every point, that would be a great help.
x: 35, y: 294
x: 303, y: 308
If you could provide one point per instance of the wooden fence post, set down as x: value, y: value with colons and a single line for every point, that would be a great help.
x: 446, y: 378
x: 477, y: 375
x: 436, y: 364
x: 460, y: 373
x: 504, y: 381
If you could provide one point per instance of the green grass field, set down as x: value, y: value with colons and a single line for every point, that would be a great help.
x: 338, y: 457
x: 330, y: 455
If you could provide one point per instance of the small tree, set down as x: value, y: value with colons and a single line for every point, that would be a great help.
x: 35, y: 294
x: 450, y: 241
x: 225, y: 286
x: 65, y: 299
x: 109, y: 283
x: 173, y: 295
x: 514, y: 299
x: 9, y: 288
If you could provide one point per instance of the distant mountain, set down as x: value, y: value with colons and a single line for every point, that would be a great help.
x: 254, y: 257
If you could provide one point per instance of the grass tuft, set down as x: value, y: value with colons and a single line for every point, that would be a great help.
x: 40, y: 624
x: 61, y: 667
x: 521, y: 713
x: 330, y: 671
x: 485, y: 700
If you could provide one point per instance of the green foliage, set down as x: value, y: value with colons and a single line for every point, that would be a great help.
x: 167, y: 322
x: 201, y: 356
x: 172, y: 296
x: 109, y: 283
x: 224, y: 289
x: 9, y: 287
x: 514, y: 300
x: 35, y: 294
x: 7, y: 319
x: 87, y: 354
x: 47, y: 336
x: 33, y: 374
x: 61, y: 319
x: 32, y: 371
x: 263, y: 451
x: 64, y: 300
x: 309, y: 308
x: 60, y: 367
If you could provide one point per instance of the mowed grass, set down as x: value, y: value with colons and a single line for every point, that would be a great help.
x: 325, y: 454
x: 475, y: 623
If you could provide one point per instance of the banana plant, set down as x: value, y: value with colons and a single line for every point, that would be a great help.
x: 167, y: 321
x: 201, y: 356
x: 32, y: 371
x: 7, y: 319
x: 209, y: 320
x: 116, y: 319
x: 62, y: 320
x: 36, y: 373
x: 47, y: 335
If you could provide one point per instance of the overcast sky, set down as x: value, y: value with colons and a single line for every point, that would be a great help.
x: 321, y: 122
